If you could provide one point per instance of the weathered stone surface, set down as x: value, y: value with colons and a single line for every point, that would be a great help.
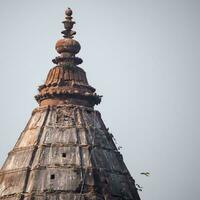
x: 59, y: 147
x: 66, y: 152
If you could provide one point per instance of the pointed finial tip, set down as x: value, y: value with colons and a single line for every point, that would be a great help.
x: 68, y: 12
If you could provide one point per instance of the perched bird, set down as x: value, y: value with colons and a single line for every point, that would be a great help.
x: 119, y: 147
x: 139, y: 187
x: 145, y: 173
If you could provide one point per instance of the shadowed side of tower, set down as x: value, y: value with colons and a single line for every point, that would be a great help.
x: 65, y: 152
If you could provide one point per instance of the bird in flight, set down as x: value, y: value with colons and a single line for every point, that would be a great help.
x: 145, y: 173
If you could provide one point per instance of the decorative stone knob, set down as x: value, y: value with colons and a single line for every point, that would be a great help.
x: 68, y: 12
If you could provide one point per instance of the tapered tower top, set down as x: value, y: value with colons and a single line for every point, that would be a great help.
x: 66, y: 82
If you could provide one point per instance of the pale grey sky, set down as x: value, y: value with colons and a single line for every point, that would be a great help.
x: 142, y: 56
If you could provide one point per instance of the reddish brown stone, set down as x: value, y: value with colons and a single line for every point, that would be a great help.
x: 66, y: 152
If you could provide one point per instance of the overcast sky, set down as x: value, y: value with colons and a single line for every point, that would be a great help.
x: 142, y: 56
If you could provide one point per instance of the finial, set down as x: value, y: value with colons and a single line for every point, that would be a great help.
x: 68, y: 12
x: 68, y: 47
x: 68, y: 24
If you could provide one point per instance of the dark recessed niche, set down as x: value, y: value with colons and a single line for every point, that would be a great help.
x: 52, y: 176
x: 89, y: 111
x: 64, y: 155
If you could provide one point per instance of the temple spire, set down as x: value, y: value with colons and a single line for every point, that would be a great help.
x: 65, y: 151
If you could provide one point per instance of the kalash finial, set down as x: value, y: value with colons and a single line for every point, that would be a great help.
x: 68, y: 23
x: 68, y: 47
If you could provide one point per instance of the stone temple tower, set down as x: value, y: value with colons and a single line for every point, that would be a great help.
x: 66, y: 152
